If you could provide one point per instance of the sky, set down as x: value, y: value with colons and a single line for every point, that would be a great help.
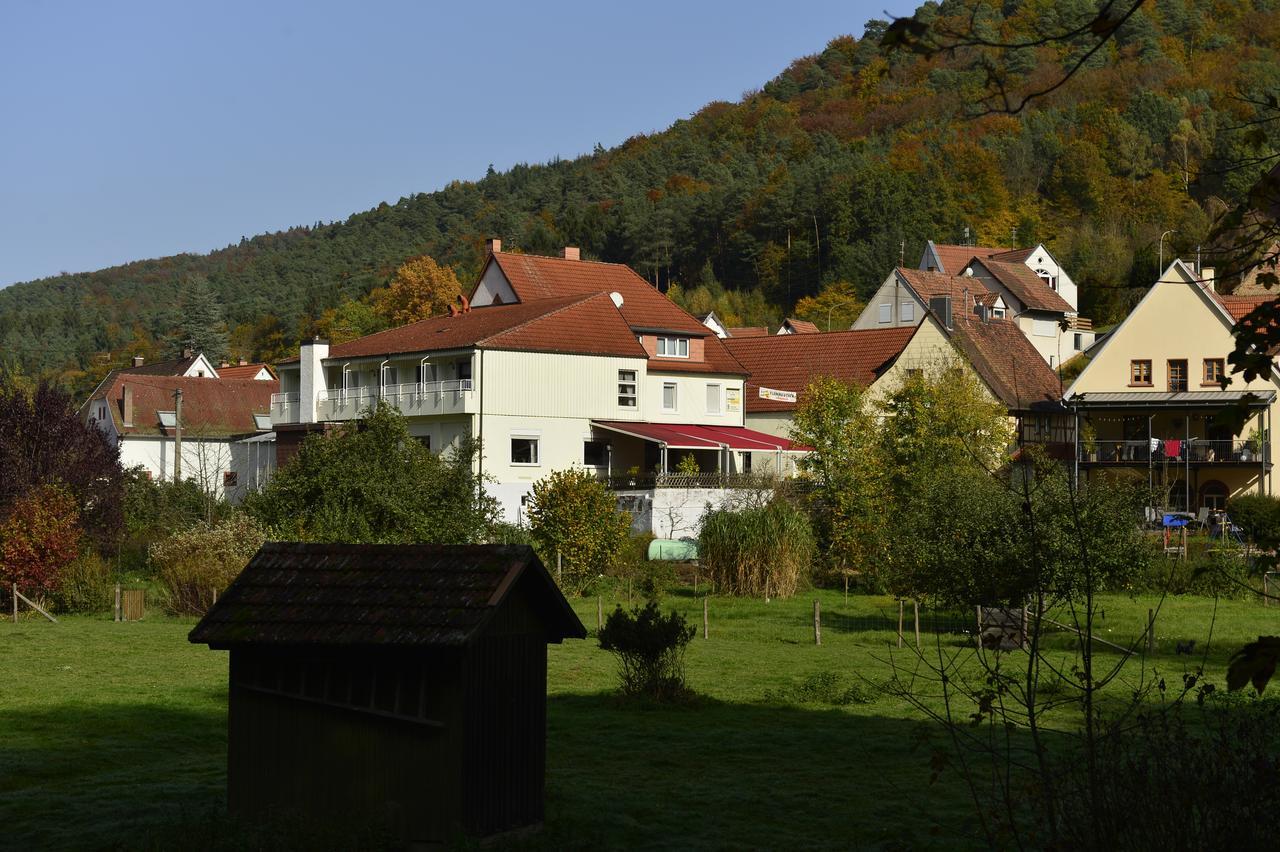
x: 131, y: 130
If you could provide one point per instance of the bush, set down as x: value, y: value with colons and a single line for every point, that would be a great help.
x: 753, y: 550
x: 38, y: 539
x: 573, y: 514
x: 155, y: 509
x: 85, y: 585
x: 824, y: 688
x: 1259, y: 516
x: 195, y: 565
x: 650, y: 650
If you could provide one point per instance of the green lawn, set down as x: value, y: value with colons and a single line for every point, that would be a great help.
x: 113, y: 735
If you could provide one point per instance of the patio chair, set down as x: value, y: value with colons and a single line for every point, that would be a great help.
x: 1202, y: 518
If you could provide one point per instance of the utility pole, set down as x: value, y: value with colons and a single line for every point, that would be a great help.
x: 177, y: 435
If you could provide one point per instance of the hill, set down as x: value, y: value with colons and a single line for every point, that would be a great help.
x: 845, y: 162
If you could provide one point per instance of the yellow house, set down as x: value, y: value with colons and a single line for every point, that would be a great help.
x: 1150, y: 406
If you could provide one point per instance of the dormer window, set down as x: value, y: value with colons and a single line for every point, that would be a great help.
x: 673, y: 347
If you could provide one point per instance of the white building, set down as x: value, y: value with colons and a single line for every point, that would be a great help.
x: 227, y: 442
x: 551, y: 363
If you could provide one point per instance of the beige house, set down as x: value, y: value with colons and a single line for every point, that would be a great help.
x: 1151, y: 407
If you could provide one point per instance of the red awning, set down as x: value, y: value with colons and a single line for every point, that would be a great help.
x: 688, y: 436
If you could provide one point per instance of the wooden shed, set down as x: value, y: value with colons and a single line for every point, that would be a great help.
x: 401, y: 683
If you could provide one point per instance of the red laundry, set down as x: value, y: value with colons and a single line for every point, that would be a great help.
x: 1173, y: 448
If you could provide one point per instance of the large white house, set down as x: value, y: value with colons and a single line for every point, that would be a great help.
x: 552, y: 362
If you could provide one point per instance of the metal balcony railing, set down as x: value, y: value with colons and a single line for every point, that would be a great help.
x: 1195, y: 451
x: 647, y: 481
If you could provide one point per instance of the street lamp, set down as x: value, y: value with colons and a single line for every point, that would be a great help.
x: 1160, y: 271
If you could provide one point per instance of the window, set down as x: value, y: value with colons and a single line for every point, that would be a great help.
x: 1048, y: 278
x: 673, y: 347
x: 168, y: 419
x: 669, y: 396
x: 1045, y: 328
x: 627, y: 388
x: 1079, y: 341
x: 524, y: 450
x: 886, y: 312
x: 1214, y: 369
x: 907, y: 312
x: 713, y: 399
x: 1140, y: 373
x: 998, y: 313
x: 1177, y: 374
x: 595, y: 453
x: 230, y: 478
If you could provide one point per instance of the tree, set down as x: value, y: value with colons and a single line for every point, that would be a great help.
x: 650, y: 650
x: 45, y: 442
x: 371, y: 482
x: 39, y: 537
x: 834, y: 309
x: 202, y: 323
x: 421, y: 289
x: 353, y: 318
x: 571, y: 513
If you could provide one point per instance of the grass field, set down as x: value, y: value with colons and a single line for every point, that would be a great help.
x: 113, y: 735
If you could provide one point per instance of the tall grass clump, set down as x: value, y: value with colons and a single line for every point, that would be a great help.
x: 757, y: 550
x: 198, y: 563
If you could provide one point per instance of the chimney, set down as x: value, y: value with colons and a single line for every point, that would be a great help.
x: 1207, y: 277
x: 243, y: 362
x: 941, y: 308
x: 128, y: 405
x: 311, y: 377
x: 187, y: 353
x: 225, y: 363
x: 138, y: 360
x: 571, y: 253
x: 493, y: 245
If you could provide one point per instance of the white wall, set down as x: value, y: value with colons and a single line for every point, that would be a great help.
x: 1041, y: 259
x: 493, y: 283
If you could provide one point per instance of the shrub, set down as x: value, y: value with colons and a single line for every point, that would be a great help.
x: 195, y: 565
x: 38, y: 539
x: 85, y: 585
x: 824, y: 688
x: 571, y: 513
x: 748, y: 551
x: 156, y: 508
x: 1259, y: 516
x: 650, y: 650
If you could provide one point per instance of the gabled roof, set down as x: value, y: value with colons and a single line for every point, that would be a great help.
x: 961, y: 288
x: 789, y: 362
x: 211, y: 408
x: 953, y: 259
x: 174, y: 367
x: 1014, y: 255
x: 799, y: 326
x: 379, y: 595
x: 244, y: 371
x: 1240, y: 306
x: 1027, y: 287
x: 1007, y: 362
x: 748, y: 331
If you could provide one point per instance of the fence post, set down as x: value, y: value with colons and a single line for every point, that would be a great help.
x: 599, y: 613
x: 706, y: 633
x: 817, y: 622
x: 916, y: 606
x: 1266, y: 588
x: 901, y: 607
x: 117, y: 610
x: 628, y: 591
x: 559, y: 573
x: 978, y: 632
x: 1151, y: 631
x: 15, y: 603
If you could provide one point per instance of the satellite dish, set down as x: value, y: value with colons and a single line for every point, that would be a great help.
x: 968, y: 272
x: 617, y: 298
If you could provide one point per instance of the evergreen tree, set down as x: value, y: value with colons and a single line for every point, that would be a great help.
x: 202, y: 324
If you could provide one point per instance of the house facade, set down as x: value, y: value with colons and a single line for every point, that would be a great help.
x: 550, y: 363
x: 1151, y: 405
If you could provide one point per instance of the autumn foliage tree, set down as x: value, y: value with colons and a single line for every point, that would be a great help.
x: 422, y: 288
x: 39, y: 536
x: 571, y: 513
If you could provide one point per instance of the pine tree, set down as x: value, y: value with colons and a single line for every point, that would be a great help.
x: 202, y: 325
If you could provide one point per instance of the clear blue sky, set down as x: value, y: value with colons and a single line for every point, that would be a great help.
x: 134, y: 130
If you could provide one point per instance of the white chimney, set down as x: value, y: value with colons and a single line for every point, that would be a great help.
x: 138, y: 360
x: 311, y: 379
x: 493, y: 245
x: 1207, y: 276
x: 571, y: 253
x: 127, y: 415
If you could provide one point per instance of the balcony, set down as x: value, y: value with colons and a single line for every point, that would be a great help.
x: 285, y: 407
x: 1197, y: 451
x: 423, y: 399
x: 650, y: 481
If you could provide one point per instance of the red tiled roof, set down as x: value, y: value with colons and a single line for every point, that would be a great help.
x: 799, y: 326
x: 960, y: 288
x: 1014, y: 255
x: 789, y: 362
x: 214, y: 408
x: 748, y: 331
x: 1005, y: 359
x: 243, y: 371
x: 162, y: 368
x: 1240, y: 306
x: 689, y: 436
x: 955, y: 258
x: 1027, y: 287
x: 590, y: 326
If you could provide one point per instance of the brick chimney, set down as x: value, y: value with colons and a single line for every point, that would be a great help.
x: 493, y: 245
x: 138, y: 360
x: 571, y: 253
x: 127, y: 414
x: 243, y: 362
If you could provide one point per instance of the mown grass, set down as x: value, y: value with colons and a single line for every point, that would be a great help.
x: 113, y: 735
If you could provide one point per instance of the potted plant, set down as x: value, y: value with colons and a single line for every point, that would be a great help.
x: 1089, y: 440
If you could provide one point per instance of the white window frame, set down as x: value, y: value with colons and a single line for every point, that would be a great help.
x: 907, y: 312
x: 675, y: 396
x: 673, y: 347
x: 634, y: 383
x: 886, y: 312
x: 535, y: 441
x: 998, y: 313
x: 719, y: 409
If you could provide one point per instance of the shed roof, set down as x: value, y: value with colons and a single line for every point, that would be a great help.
x: 416, y: 595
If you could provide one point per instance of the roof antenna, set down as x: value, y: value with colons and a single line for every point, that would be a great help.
x: 902, y: 254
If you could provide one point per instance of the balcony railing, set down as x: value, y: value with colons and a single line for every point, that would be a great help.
x: 1195, y: 451
x: 647, y: 481
x: 419, y: 398
x: 285, y: 407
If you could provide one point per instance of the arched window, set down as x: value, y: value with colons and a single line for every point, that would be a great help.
x: 1213, y: 494
x: 1049, y: 278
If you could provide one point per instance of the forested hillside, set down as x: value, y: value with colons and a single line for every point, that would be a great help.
x: 846, y: 161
